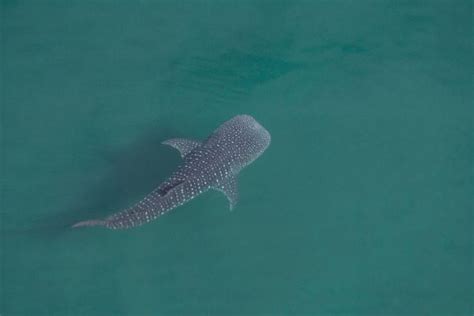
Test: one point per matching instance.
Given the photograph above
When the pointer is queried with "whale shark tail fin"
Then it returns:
(92, 222)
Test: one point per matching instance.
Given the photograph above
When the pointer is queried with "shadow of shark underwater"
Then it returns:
(210, 164)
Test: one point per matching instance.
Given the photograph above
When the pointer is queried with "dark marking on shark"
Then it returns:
(211, 164)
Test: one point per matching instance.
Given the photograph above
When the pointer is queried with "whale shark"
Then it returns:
(210, 164)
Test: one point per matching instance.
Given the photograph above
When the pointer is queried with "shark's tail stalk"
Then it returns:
(92, 222)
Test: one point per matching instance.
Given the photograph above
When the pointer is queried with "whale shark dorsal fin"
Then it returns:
(229, 188)
(183, 145)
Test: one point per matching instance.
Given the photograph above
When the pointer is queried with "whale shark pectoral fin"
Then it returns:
(229, 188)
(184, 146)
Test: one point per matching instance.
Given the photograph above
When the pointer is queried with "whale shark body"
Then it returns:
(211, 164)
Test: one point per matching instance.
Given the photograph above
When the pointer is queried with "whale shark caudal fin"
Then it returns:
(92, 222)
(184, 146)
(230, 190)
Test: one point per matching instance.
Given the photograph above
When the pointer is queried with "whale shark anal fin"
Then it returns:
(184, 146)
(230, 190)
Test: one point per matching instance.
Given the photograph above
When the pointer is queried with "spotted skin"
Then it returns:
(212, 164)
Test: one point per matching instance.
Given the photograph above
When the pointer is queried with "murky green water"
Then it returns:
(361, 206)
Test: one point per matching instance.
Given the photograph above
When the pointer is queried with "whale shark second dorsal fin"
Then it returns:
(183, 145)
(230, 190)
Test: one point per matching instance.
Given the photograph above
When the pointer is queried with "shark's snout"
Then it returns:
(262, 135)
(255, 138)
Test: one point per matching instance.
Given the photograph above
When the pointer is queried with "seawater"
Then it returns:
(362, 205)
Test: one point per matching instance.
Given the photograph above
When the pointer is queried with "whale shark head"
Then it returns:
(245, 137)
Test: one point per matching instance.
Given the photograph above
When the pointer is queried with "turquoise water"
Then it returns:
(362, 205)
